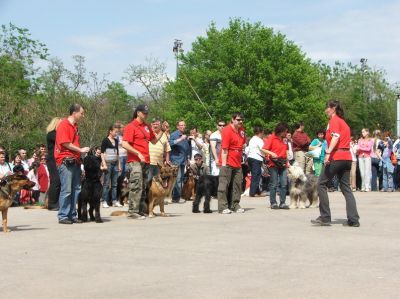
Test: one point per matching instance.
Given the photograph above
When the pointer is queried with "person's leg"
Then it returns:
(135, 188)
(114, 182)
(390, 181)
(368, 174)
(237, 177)
(225, 174)
(255, 169)
(176, 192)
(353, 175)
(374, 174)
(317, 167)
(76, 190)
(384, 179)
(273, 185)
(344, 179)
(106, 185)
(55, 185)
(283, 186)
(145, 188)
(300, 159)
(309, 165)
(361, 162)
(327, 174)
(65, 192)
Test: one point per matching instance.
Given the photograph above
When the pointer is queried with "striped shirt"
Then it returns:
(157, 150)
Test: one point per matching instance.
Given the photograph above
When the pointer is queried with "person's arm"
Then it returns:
(332, 145)
(267, 152)
(224, 156)
(174, 139)
(213, 146)
(156, 137)
(75, 148)
(130, 149)
(314, 144)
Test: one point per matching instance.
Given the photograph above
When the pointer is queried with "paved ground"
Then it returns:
(259, 254)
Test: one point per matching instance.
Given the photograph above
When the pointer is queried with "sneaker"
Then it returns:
(240, 210)
(226, 211)
(105, 205)
(181, 200)
(351, 223)
(274, 206)
(76, 220)
(320, 222)
(284, 207)
(117, 204)
(65, 221)
(136, 216)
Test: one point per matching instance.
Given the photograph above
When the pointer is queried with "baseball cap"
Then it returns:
(142, 108)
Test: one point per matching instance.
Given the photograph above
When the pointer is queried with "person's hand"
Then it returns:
(119, 169)
(168, 163)
(141, 157)
(183, 137)
(326, 159)
(9, 173)
(84, 150)
(216, 161)
(273, 155)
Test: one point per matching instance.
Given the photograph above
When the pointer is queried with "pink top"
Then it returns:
(365, 147)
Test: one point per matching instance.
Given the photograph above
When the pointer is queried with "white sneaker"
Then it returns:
(240, 210)
(105, 205)
(226, 211)
(117, 204)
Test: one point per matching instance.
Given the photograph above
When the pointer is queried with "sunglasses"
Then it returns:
(219, 125)
(240, 119)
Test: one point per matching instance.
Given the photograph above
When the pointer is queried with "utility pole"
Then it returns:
(398, 115)
(177, 49)
(363, 102)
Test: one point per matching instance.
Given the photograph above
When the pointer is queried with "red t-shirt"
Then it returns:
(66, 133)
(233, 142)
(138, 135)
(275, 144)
(337, 126)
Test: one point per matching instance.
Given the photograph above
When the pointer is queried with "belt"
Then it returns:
(341, 150)
(235, 150)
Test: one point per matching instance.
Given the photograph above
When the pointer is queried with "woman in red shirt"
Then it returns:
(337, 162)
(276, 147)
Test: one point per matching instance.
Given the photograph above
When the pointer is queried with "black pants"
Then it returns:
(255, 169)
(342, 170)
(55, 185)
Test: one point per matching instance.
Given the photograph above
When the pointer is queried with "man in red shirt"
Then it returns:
(276, 147)
(233, 139)
(67, 153)
(337, 162)
(137, 135)
(300, 143)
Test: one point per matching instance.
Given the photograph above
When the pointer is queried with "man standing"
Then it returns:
(137, 135)
(67, 152)
(180, 154)
(233, 139)
(196, 143)
(158, 151)
(300, 143)
(24, 161)
(215, 144)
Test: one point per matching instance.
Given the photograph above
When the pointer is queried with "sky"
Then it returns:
(111, 35)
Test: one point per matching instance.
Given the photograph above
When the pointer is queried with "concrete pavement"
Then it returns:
(262, 253)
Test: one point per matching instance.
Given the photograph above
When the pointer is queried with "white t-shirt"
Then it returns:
(195, 148)
(255, 144)
(33, 178)
(216, 136)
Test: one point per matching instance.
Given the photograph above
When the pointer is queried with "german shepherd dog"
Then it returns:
(188, 188)
(91, 190)
(9, 187)
(205, 186)
(161, 186)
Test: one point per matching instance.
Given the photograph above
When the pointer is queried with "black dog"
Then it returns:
(207, 186)
(91, 190)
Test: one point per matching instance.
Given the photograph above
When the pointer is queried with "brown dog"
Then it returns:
(161, 186)
(188, 188)
(8, 189)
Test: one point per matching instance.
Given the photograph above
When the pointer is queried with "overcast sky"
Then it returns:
(113, 34)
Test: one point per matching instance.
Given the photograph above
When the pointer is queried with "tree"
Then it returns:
(249, 68)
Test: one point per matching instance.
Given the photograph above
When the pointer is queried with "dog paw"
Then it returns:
(151, 215)
(302, 207)
(164, 215)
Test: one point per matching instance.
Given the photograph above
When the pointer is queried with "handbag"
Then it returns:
(393, 158)
(315, 153)
(279, 162)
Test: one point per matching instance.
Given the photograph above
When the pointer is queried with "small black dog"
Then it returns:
(91, 189)
(207, 186)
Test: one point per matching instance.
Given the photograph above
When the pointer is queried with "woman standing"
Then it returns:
(365, 147)
(387, 166)
(337, 161)
(53, 193)
(255, 159)
(111, 164)
(375, 173)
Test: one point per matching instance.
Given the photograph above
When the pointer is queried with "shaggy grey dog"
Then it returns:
(302, 188)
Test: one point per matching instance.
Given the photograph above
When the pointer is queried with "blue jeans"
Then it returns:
(70, 178)
(387, 182)
(176, 192)
(110, 175)
(277, 180)
(255, 169)
(122, 161)
(153, 171)
(374, 173)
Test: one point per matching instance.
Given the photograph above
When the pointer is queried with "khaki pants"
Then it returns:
(304, 162)
(138, 187)
(229, 178)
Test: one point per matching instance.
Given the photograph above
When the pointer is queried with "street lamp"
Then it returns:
(398, 115)
(177, 49)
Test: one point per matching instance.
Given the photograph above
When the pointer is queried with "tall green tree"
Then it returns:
(249, 68)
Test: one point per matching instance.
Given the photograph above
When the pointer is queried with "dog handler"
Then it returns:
(67, 153)
(337, 161)
(137, 135)
(233, 139)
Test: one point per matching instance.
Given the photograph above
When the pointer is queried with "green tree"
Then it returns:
(249, 68)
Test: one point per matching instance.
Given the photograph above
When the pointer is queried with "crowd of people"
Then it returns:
(258, 164)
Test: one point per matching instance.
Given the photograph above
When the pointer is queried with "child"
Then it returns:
(387, 166)
(33, 177)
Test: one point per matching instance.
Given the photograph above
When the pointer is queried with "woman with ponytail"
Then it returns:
(337, 162)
